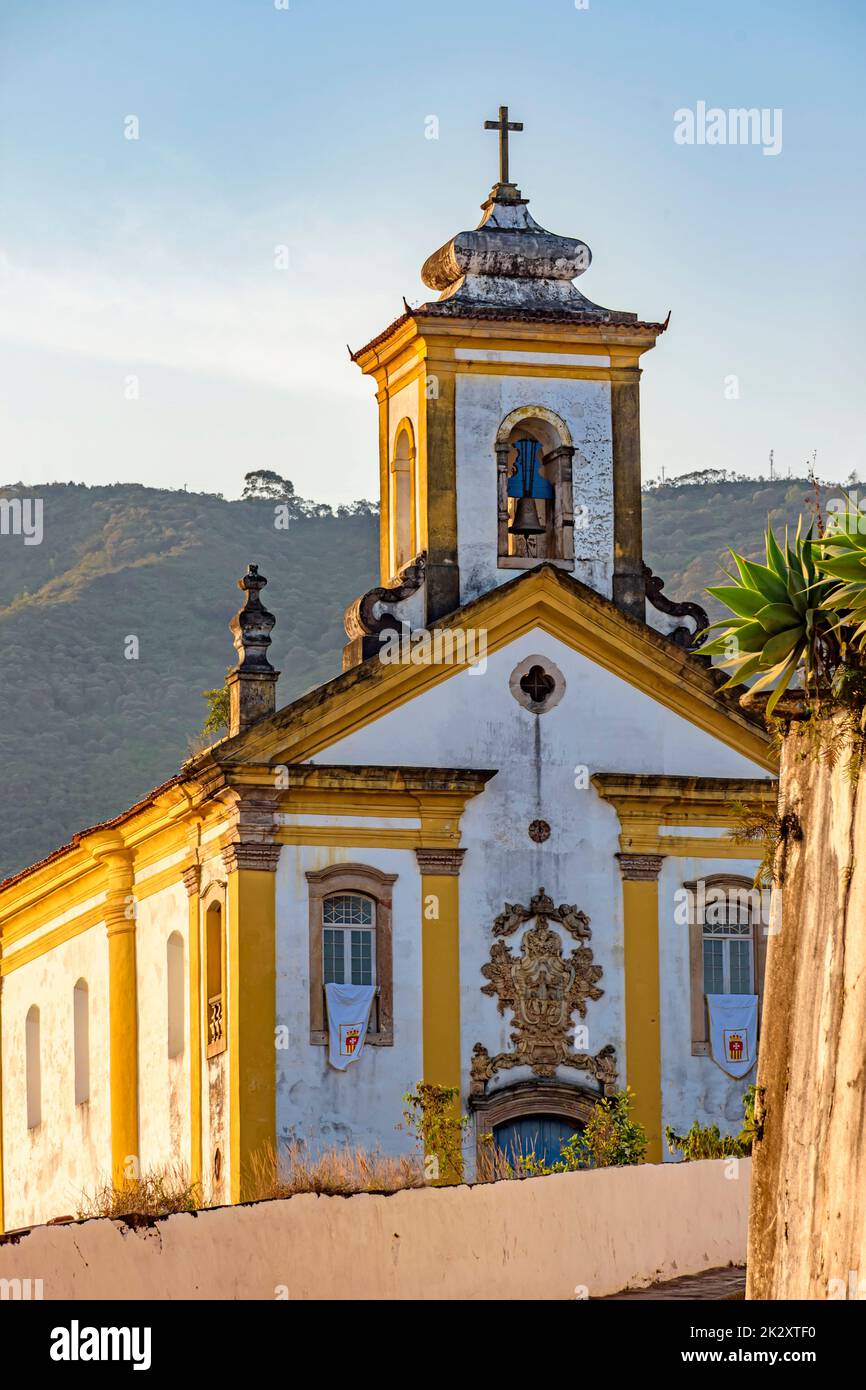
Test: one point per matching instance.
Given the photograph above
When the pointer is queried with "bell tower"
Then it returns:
(509, 415)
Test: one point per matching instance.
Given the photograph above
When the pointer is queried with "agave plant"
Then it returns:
(840, 555)
(780, 619)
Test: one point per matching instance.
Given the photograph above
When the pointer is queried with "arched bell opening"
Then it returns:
(535, 492)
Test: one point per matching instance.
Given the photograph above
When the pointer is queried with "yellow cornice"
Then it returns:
(644, 803)
(13, 959)
(541, 598)
(147, 834)
(427, 335)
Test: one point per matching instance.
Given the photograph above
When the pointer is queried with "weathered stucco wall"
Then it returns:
(693, 1088)
(47, 1169)
(163, 1082)
(574, 1235)
(808, 1219)
(362, 1105)
(482, 403)
(601, 724)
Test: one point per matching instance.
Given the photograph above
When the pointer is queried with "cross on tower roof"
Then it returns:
(503, 125)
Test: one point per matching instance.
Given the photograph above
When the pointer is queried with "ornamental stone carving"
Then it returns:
(543, 988)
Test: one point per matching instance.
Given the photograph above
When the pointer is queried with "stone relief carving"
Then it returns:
(543, 988)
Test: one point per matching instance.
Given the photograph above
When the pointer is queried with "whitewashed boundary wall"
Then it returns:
(560, 1237)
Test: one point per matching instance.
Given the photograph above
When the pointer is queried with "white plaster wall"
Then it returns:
(693, 1088)
(482, 402)
(601, 723)
(47, 1169)
(363, 1104)
(555, 1238)
(163, 1083)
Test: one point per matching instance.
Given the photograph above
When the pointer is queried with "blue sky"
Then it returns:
(261, 127)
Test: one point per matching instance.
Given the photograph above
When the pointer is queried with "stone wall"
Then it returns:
(808, 1218)
(561, 1237)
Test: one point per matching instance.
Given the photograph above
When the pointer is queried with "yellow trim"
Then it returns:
(346, 837)
(644, 803)
(122, 1006)
(384, 491)
(56, 902)
(155, 832)
(166, 878)
(588, 624)
(642, 1008)
(425, 335)
(440, 982)
(251, 900)
(533, 369)
(47, 942)
(195, 1038)
(2, 1224)
(696, 847)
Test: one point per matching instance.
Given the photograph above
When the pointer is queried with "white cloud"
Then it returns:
(275, 330)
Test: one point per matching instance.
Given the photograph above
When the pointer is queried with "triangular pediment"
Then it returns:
(543, 598)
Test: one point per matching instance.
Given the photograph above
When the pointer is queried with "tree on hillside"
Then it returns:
(363, 507)
(263, 482)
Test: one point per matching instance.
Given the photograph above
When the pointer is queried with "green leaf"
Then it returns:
(764, 580)
(780, 645)
(775, 558)
(784, 682)
(751, 637)
(745, 603)
(848, 567)
(777, 617)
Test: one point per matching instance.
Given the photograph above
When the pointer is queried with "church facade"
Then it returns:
(506, 814)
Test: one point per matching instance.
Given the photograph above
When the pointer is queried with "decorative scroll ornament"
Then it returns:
(691, 639)
(361, 617)
(543, 988)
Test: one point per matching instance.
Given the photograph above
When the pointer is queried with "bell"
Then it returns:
(526, 519)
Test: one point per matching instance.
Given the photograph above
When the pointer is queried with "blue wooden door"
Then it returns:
(541, 1135)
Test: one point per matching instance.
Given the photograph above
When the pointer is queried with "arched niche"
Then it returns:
(403, 540)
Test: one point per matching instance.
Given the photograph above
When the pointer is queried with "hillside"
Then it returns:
(86, 731)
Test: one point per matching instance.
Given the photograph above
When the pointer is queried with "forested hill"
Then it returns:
(85, 731)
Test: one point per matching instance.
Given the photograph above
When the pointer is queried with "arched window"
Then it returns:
(350, 942)
(404, 547)
(215, 968)
(728, 920)
(33, 1067)
(81, 1035)
(534, 454)
(174, 993)
(349, 939)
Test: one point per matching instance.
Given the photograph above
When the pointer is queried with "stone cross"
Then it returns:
(503, 125)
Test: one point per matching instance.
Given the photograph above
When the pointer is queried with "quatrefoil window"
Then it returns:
(537, 684)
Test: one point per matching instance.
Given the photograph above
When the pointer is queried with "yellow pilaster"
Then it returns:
(109, 849)
(2, 1225)
(252, 983)
(440, 968)
(191, 878)
(642, 1000)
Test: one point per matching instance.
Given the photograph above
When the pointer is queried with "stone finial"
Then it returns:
(252, 682)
